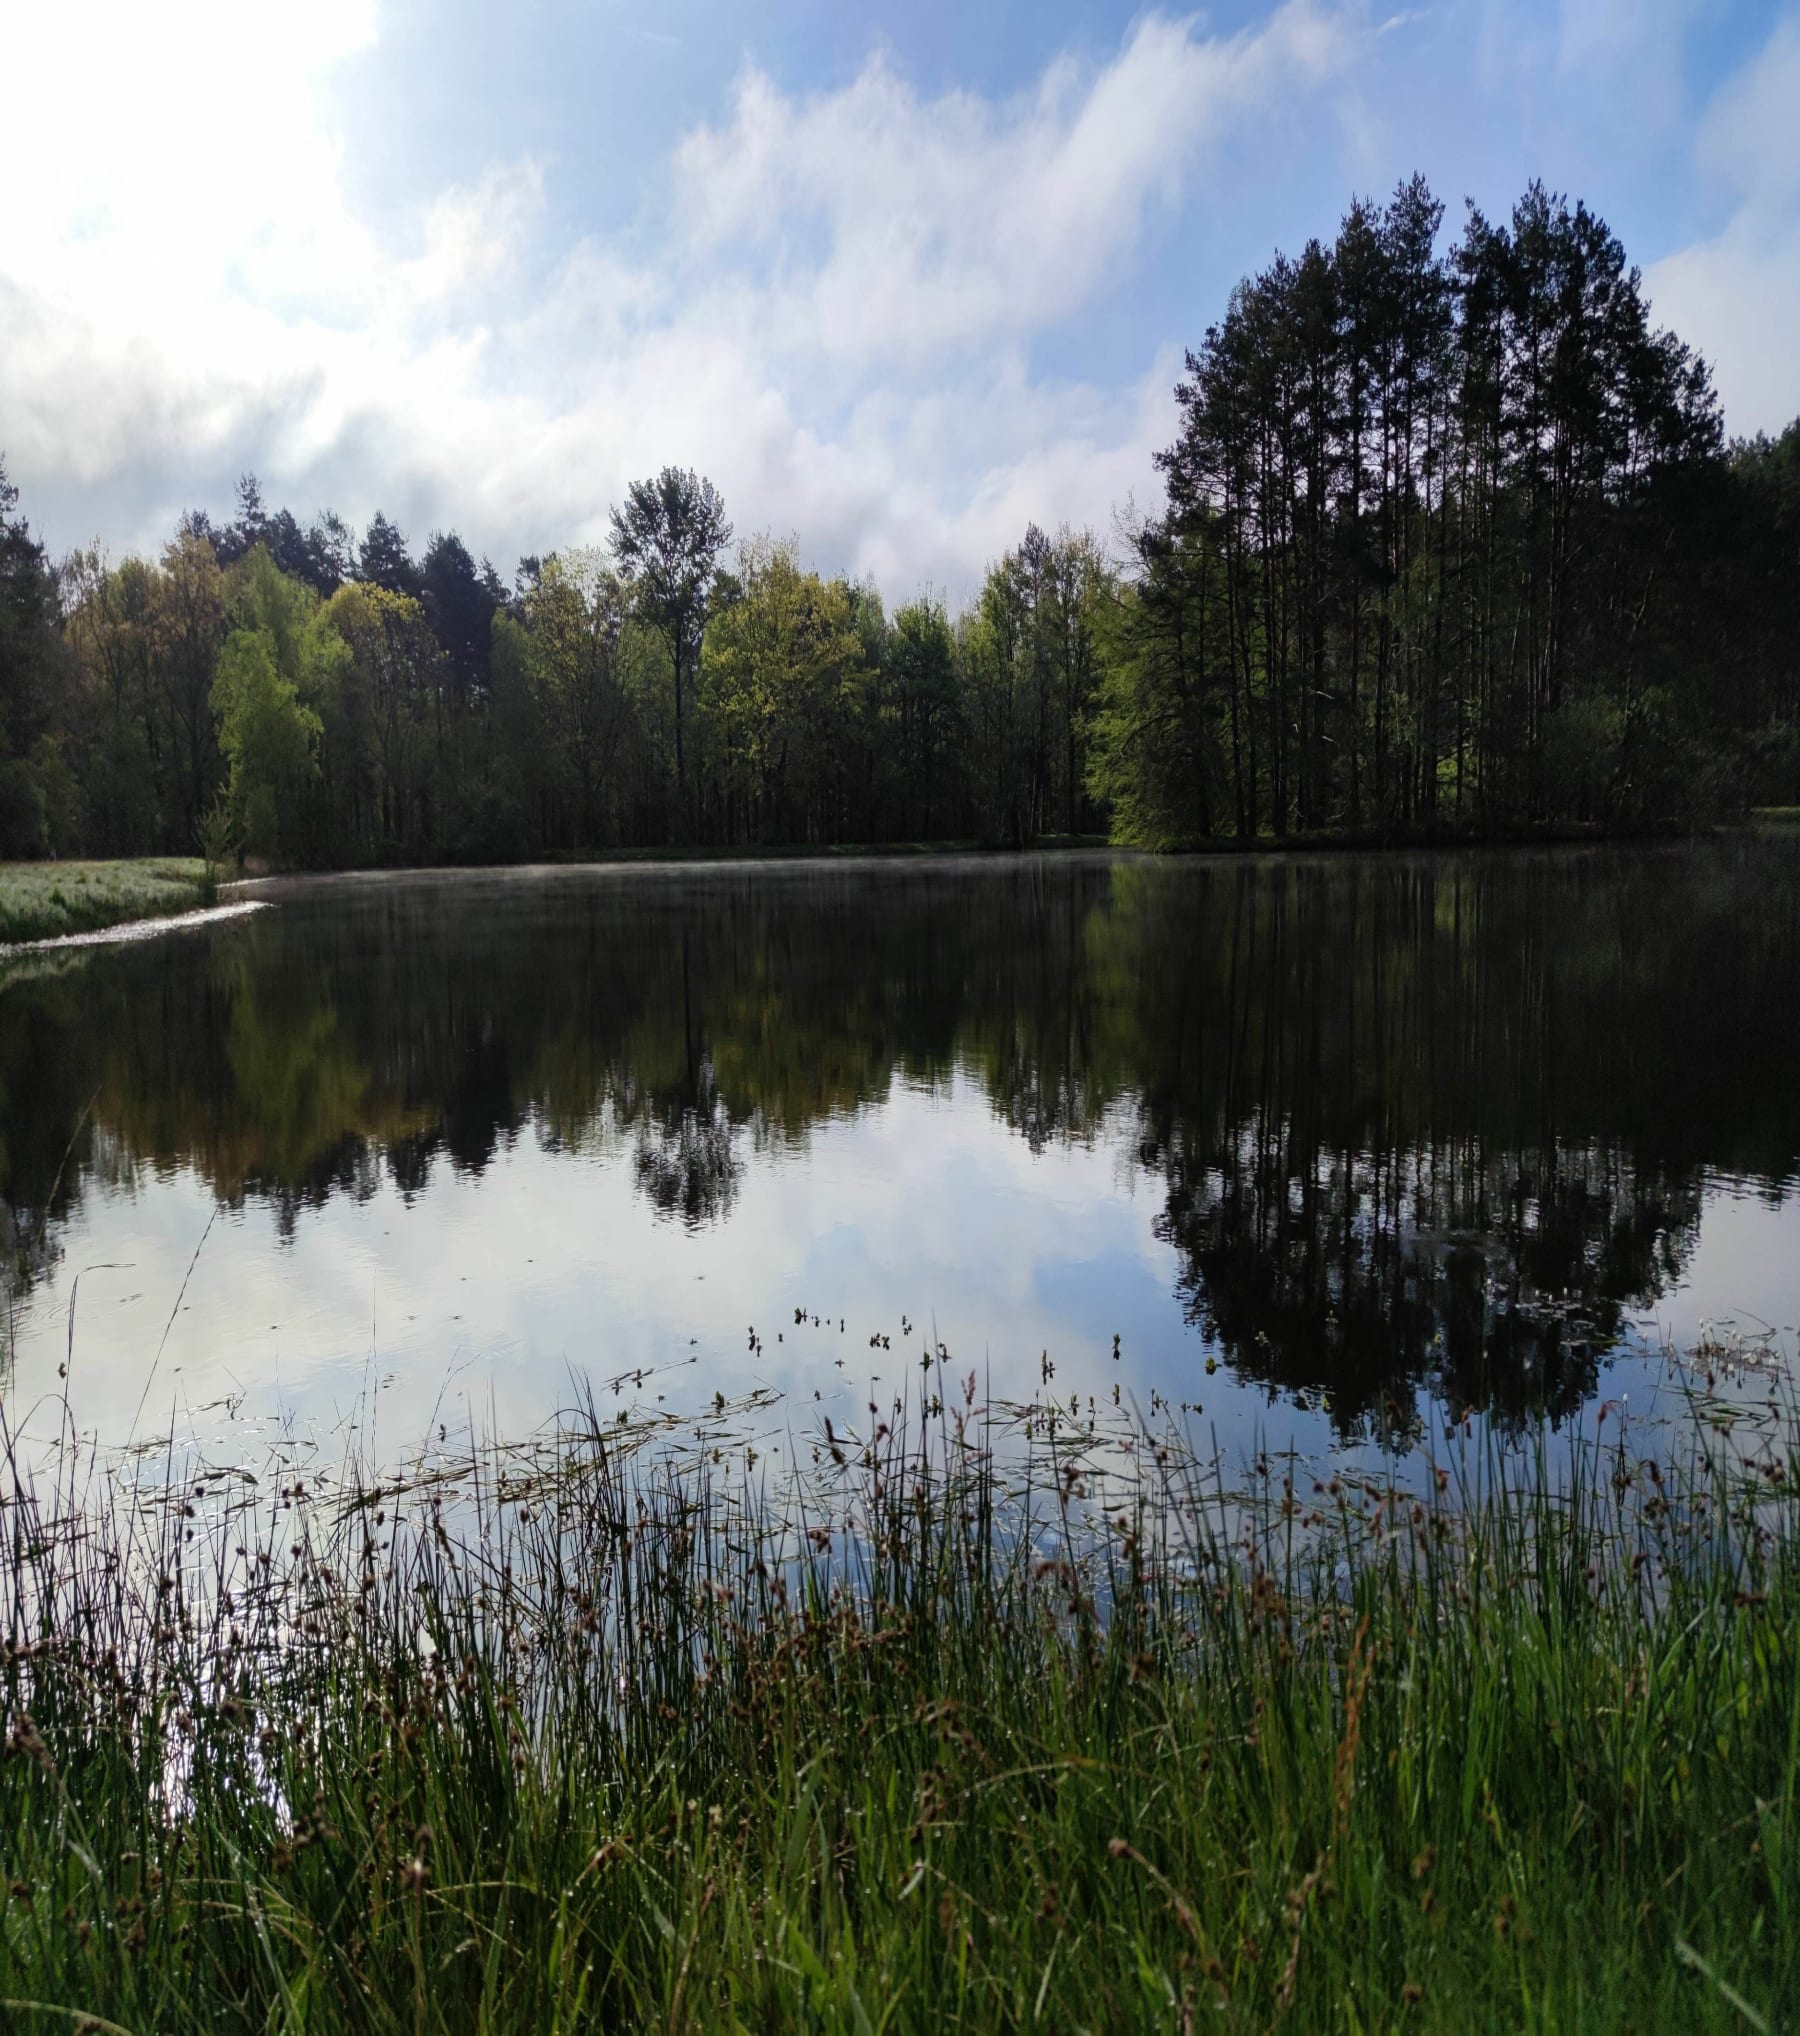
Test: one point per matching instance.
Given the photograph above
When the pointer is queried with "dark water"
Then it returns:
(1328, 1143)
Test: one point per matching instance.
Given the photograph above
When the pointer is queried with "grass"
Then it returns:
(961, 1735)
(46, 900)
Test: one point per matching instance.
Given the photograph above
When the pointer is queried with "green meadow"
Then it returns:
(46, 900)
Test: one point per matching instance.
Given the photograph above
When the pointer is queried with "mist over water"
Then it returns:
(1334, 1146)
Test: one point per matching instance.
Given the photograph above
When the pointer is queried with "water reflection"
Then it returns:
(1408, 1126)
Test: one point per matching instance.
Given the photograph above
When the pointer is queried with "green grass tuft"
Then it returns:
(48, 900)
(616, 1744)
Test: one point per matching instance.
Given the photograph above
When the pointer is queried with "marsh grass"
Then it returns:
(48, 900)
(976, 1723)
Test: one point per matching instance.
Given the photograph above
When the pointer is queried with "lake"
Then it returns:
(1333, 1146)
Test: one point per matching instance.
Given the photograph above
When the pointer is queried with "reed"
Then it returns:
(987, 1722)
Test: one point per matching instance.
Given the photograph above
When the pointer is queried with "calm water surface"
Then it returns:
(1334, 1146)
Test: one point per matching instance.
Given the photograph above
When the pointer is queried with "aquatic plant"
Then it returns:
(985, 1720)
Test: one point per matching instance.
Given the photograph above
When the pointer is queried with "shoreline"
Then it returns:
(1222, 848)
(52, 901)
(190, 900)
(123, 930)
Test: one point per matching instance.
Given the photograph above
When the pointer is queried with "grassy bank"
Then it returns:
(597, 1744)
(45, 900)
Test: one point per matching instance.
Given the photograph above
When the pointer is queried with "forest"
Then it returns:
(1453, 545)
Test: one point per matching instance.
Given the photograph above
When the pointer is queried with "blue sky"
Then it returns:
(899, 277)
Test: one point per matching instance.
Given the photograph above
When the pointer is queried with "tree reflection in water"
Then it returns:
(1411, 1121)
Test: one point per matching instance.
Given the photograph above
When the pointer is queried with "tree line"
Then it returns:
(1453, 537)
(1452, 541)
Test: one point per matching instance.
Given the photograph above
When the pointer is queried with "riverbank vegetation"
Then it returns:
(1452, 544)
(987, 1726)
(46, 900)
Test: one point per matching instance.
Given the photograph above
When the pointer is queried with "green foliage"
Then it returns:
(667, 539)
(1160, 728)
(572, 643)
(1582, 743)
(925, 706)
(269, 740)
(65, 805)
(583, 1739)
(24, 828)
(33, 672)
(382, 721)
(785, 680)
(1450, 545)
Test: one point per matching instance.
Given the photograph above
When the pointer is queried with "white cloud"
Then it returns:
(1736, 296)
(159, 145)
(944, 223)
(838, 323)
(1751, 135)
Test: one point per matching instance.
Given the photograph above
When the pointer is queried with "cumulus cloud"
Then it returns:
(1737, 295)
(901, 226)
(838, 322)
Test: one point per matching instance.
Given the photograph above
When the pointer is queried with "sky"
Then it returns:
(900, 276)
